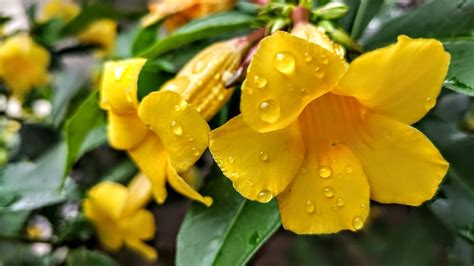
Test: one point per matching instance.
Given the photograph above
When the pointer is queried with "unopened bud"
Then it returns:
(331, 11)
(318, 36)
(339, 35)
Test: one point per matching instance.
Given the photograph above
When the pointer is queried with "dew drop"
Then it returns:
(363, 206)
(118, 72)
(328, 192)
(309, 207)
(349, 169)
(230, 159)
(249, 183)
(177, 108)
(264, 196)
(196, 154)
(357, 222)
(234, 175)
(303, 92)
(304, 170)
(324, 59)
(263, 156)
(269, 110)
(340, 202)
(176, 128)
(319, 73)
(429, 102)
(284, 62)
(325, 172)
(260, 82)
(307, 57)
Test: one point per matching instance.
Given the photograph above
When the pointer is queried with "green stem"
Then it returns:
(358, 19)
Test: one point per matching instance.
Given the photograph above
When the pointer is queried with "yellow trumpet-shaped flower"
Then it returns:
(102, 32)
(180, 12)
(118, 215)
(326, 137)
(63, 9)
(23, 64)
(166, 133)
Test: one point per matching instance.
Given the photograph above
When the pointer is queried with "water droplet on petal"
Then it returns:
(285, 63)
(307, 57)
(363, 206)
(177, 108)
(234, 175)
(260, 82)
(328, 192)
(196, 154)
(230, 159)
(319, 73)
(249, 183)
(349, 169)
(309, 206)
(358, 223)
(429, 102)
(118, 72)
(176, 128)
(269, 110)
(324, 59)
(340, 202)
(325, 171)
(304, 171)
(264, 196)
(303, 92)
(263, 156)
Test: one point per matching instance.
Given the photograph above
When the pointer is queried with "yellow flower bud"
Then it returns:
(101, 32)
(201, 82)
(23, 64)
(62, 9)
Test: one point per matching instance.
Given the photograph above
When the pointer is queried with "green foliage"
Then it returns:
(460, 77)
(198, 30)
(227, 233)
(83, 256)
(153, 74)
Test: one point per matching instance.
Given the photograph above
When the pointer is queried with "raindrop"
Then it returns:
(230, 159)
(309, 206)
(340, 202)
(249, 183)
(260, 82)
(349, 169)
(176, 128)
(303, 92)
(324, 59)
(307, 57)
(234, 175)
(429, 102)
(269, 110)
(264, 196)
(319, 73)
(196, 154)
(328, 192)
(263, 156)
(285, 63)
(357, 222)
(304, 170)
(325, 172)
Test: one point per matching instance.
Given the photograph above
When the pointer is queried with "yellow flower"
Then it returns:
(101, 32)
(166, 133)
(118, 215)
(180, 12)
(62, 9)
(325, 137)
(23, 64)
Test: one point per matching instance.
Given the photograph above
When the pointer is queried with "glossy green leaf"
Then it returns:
(84, 130)
(145, 38)
(200, 29)
(359, 15)
(435, 19)
(461, 75)
(227, 233)
(83, 256)
(31, 185)
(12, 223)
(153, 74)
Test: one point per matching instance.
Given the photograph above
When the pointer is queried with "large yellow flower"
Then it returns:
(23, 64)
(118, 215)
(166, 133)
(180, 12)
(102, 32)
(325, 137)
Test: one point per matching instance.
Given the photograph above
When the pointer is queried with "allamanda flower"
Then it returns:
(23, 64)
(325, 137)
(118, 215)
(102, 32)
(166, 133)
(180, 12)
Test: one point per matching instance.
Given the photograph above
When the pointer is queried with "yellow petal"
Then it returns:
(139, 193)
(150, 156)
(181, 128)
(125, 131)
(286, 74)
(118, 91)
(401, 164)
(326, 196)
(107, 229)
(147, 251)
(180, 185)
(140, 224)
(260, 165)
(109, 198)
(401, 81)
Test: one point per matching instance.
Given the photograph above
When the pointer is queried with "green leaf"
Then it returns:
(227, 233)
(461, 76)
(153, 74)
(200, 29)
(27, 185)
(121, 173)
(66, 85)
(83, 256)
(360, 14)
(145, 38)
(12, 223)
(435, 19)
(85, 130)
